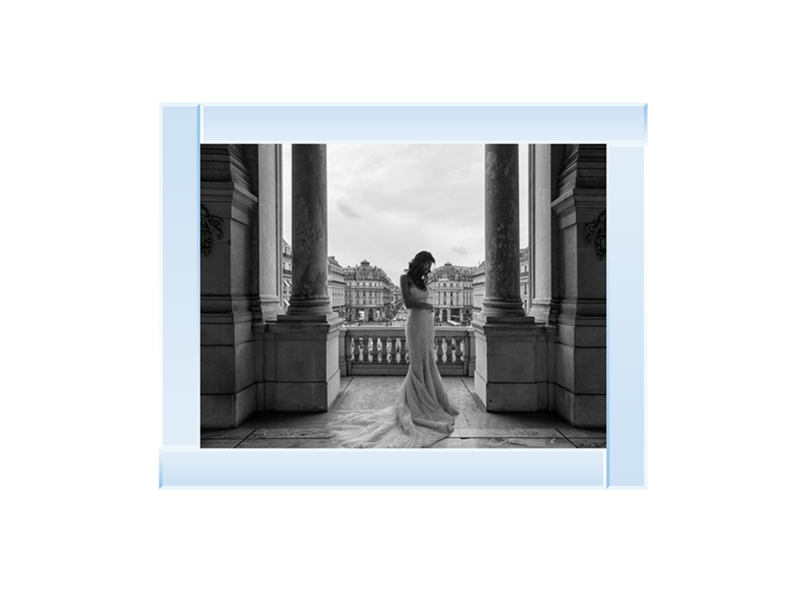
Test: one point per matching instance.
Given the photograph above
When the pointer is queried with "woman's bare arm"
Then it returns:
(410, 303)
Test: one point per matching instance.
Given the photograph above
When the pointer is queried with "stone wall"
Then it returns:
(579, 214)
(228, 207)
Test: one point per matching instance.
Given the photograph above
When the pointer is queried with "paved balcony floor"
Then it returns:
(474, 427)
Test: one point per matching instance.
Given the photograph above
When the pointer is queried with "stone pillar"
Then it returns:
(266, 273)
(539, 231)
(267, 240)
(307, 357)
(511, 365)
(502, 297)
(310, 294)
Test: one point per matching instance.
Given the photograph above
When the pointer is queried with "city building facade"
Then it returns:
(369, 294)
(451, 294)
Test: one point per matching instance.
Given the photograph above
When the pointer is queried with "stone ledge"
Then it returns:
(291, 321)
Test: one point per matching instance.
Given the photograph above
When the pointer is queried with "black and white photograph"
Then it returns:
(316, 301)
(403, 296)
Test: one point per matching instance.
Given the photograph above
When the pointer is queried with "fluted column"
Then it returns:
(502, 298)
(309, 295)
(539, 231)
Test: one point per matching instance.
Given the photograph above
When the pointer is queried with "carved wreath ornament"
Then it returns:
(597, 230)
(208, 224)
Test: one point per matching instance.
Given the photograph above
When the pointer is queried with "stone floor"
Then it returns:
(474, 427)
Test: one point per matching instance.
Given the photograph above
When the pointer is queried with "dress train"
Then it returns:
(422, 413)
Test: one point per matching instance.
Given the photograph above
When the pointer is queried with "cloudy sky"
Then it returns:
(386, 202)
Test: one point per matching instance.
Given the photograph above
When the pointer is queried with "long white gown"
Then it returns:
(422, 413)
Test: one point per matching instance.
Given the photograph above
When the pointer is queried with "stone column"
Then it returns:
(267, 243)
(266, 272)
(502, 297)
(511, 365)
(307, 356)
(539, 231)
(310, 295)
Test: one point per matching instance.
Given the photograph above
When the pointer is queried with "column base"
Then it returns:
(310, 307)
(540, 311)
(308, 376)
(327, 317)
(512, 366)
(267, 307)
(502, 309)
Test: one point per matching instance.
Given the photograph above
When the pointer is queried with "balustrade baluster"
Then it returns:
(370, 351)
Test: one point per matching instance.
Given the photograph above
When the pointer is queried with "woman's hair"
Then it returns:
(419, 268)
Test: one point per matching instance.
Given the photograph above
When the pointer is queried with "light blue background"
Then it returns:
(184, 464)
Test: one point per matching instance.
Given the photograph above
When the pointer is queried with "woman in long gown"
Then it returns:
(422, 413)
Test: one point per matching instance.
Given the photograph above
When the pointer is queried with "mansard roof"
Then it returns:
(449, 270)
(366, 271)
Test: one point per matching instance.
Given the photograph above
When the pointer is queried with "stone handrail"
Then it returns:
(370, 350)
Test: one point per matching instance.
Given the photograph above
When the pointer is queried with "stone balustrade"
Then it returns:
(383, 351)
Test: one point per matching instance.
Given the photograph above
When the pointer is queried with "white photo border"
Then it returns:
(184, 464)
